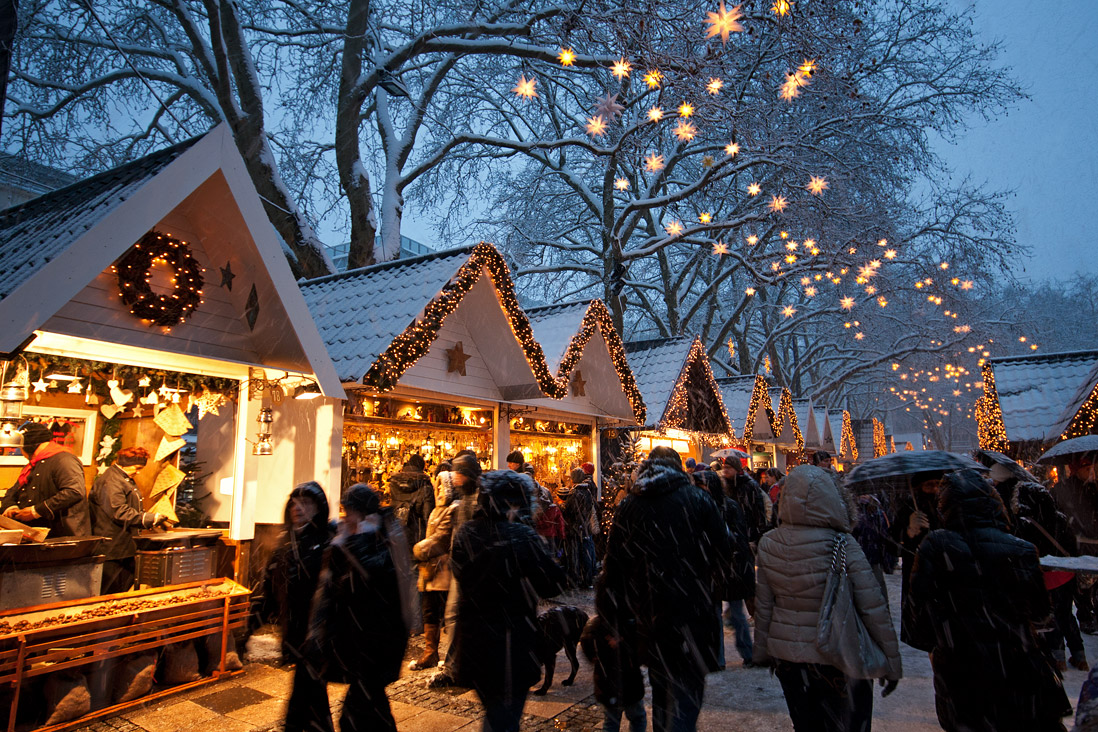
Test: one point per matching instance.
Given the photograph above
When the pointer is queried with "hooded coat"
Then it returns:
(502, 567)
(666, 563)
(793, 564)
(413, 499)
(977, 591)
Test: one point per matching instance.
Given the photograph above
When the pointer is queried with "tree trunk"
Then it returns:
(352, 175)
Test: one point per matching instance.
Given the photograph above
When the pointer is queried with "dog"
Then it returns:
(559, 627)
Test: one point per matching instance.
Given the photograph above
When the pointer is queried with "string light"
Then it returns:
(133, 272)
(990, 429)
(847, 445)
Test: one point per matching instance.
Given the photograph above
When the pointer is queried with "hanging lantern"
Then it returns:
(263, 444)
(13, 394)
(372, 443)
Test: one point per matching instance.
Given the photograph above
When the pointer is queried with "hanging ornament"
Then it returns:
(144, 381)
(609, 108)
(525, 88)
(816, 185)
(90, 396)
(621, 69)
(723, 22)
(75, 387)
(209, 402)
(118, 395)
(40, 385)
(596, 126)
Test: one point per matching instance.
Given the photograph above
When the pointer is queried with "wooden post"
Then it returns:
(17, 685)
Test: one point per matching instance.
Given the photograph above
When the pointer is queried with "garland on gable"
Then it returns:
(598, 316)
(880, 446)
(679, 403)
(760, 395)
(847, 444)
(989, 416)
(786, 411)
(1084, 421)
(134, 273)
(414, 342)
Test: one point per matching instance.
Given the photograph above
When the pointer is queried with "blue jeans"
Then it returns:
(676, 701)
(638, 720)
(503, 713)
(737, 618)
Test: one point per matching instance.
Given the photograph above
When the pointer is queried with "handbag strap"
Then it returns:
(838, 555)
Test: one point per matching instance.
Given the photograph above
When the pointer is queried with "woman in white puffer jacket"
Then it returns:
(793, 564)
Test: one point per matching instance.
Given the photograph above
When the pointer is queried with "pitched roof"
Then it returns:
(669, 373)
(564, 330)
(1036, 392)
(736, 392)
(35, 232)
(657, 365)
(805, 417)
(377, 321)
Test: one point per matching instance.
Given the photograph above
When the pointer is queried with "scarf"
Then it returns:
(42, 453)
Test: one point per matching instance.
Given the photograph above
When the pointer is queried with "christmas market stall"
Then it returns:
(149, 307)
(823, 428)
(585, 353)
(806, 419)
(433, 352)
(1031, 402)
(788, 438)
(685, 410)
(747, 399)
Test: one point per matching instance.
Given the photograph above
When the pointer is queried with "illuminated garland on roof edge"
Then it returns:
(1085, 419)
(760, 394)
(786, 411)
(597, 316)
(676, 411)
(847, 445)
(416, 340)
(880, 447)
(989, 416)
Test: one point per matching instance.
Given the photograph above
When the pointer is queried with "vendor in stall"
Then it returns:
(116, 514)
(50, 491)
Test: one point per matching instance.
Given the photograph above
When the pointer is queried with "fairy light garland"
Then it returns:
(1085, 419)
(990, 429)
(134, 274)
(674, 416)
(760, 395)
(595, 318)
(847, 445)
(414, 342)
(880, 447)
(786, 411)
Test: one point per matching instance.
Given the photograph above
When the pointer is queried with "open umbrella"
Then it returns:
(894, 471)
(990, 457)
(1067, 448)
(731, 452)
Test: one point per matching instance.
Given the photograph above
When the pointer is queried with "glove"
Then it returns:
(888, 686)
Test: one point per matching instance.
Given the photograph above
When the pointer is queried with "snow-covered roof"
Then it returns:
(902, 438)
(657, 366)
(1037, 392)
(823, 428)
(835, 422)
(1087, 387)
(555, 326)
(736, 392)
(807, 422)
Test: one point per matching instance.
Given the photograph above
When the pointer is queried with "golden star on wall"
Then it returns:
(456, 358)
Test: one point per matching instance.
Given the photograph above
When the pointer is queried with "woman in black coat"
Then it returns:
(286, 597)
(502, 567)
(977, 591)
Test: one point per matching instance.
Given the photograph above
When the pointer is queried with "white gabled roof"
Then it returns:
(1040, 394)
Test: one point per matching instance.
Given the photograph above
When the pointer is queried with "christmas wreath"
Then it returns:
(134, 271)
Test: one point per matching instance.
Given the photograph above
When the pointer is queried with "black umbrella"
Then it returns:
(990, 457)
(1067, 448)
(893, 472)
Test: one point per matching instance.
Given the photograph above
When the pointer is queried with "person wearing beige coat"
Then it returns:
(433, 555)
(793, 563)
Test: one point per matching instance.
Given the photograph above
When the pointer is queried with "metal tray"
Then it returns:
(177, 538)
(57, 549)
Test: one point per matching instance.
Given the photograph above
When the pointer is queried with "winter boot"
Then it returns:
(429, 659)
(1079, 662)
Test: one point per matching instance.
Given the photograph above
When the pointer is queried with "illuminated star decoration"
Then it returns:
(777, 203)
(653, 163)
(525, 88)
(754, 189)
(807, 68)
(847, 303)
(655, 114)
(752, 240)
(456, 358)
(810, 291)
(791, 89)
(596, 126)
(720, 248)
(705, 218)
(567, 57)
(859, 336)
(789, 311)
(653, 79)
(621, 184)
(731, 149)
(781, 7)
(674, 228)
(723, 22)
(890, 254)
(686, 109)
(749, 291)
(816, 185)
(685, 131)
(609, 107)
(621, 69)
(714, 86)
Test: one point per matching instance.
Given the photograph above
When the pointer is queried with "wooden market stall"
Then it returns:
(152, 306)
(685, 409)
(585, 353)
(434, 352)
(748, 401)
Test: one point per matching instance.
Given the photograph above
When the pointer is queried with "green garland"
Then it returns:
(98, 373)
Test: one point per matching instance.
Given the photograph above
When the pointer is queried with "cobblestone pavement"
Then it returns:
(737, 699)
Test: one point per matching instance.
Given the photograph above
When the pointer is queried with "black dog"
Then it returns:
(559, 627)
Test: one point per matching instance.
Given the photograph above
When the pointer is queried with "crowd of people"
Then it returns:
(792, 563)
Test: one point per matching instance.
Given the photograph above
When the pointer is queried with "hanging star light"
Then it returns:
(674, 228)
(655, 114)
(708, 161)
(525, 88)
(754, 189)
(621, 68)
(870, 290)
(807, 68)
(653, 163)
(749, 291)
(847, 303)
(40, 385)
(810, 291)
(806, 280)
(609, 107)
(791, 259)
(714, 86)
(775, 266)
(723, 22)
(777, 203)
(752, 240)
(653, 79)
(705, 217)
(791, 246)
(789, 311)
(781, 7)
(720, 248)
(685, 131)
(621, 184)
(890, 254)
(596, 126)
(791, 89)
(816, 185)
(966, 284)
(859, 336)
(567, 57)
(686, 109)
(731, 149)
(882, 301)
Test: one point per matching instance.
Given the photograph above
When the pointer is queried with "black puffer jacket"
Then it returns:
(56, 489)
(503, 568)
(1035, 518)
(977, 590)
(116, 512)
(413, 499)
(753, 502)
(667, 559)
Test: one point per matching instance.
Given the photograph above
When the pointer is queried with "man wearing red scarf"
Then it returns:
(50, 491)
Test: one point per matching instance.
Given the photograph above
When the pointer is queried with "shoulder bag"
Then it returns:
(841, 636)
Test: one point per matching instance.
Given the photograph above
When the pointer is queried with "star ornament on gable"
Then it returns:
(609, 107)
(456, 358)
(578, 385)
(227, 276)
(723, 22)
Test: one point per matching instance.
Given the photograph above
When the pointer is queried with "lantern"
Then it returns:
(263, 444)
(13, 394)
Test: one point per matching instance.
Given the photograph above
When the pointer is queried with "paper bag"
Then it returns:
(168, 479)
(167, 447)
(172, 421)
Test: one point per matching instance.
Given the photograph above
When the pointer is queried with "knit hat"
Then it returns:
(516, 456)
(361, 498)
(588, 468)
(578, 476)
(34, 434)
(466, 465)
